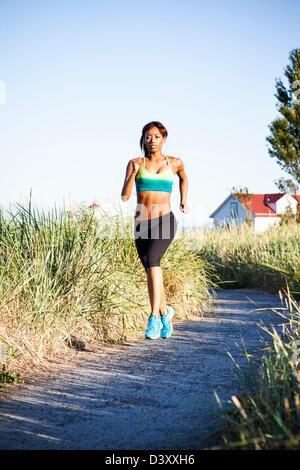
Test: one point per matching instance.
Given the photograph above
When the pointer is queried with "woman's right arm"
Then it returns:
(131, 171)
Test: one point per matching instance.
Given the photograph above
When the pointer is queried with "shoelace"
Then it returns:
(165, 318)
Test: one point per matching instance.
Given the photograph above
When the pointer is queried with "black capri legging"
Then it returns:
(153, 236)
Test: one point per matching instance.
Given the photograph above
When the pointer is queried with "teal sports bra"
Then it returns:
(148, 181)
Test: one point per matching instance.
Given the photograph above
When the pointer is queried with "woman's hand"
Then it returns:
(135, 167)
(184, 208)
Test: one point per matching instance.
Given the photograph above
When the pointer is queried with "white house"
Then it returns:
(262, 210)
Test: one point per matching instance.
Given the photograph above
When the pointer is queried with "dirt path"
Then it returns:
(146, 394)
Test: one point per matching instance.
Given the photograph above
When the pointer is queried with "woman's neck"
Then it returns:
(155, 156)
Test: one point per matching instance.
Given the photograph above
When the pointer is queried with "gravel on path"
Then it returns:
(147, 394)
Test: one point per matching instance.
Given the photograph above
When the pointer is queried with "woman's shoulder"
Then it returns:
(170, 157)
(175, 161)
(136, 159)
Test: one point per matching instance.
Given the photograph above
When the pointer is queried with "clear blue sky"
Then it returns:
(83, 77)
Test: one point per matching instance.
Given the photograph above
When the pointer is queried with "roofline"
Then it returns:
(259, 214)
(222, 204)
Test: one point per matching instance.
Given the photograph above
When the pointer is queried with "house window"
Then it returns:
(234, 209)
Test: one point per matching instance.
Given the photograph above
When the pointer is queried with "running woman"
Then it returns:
(154, 223)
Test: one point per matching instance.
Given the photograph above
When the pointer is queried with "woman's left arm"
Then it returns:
(183, 186)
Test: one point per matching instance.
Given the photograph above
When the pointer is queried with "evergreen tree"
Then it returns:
(285, 130)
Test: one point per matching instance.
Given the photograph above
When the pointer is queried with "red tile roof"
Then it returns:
(272, 198)
(257, 203)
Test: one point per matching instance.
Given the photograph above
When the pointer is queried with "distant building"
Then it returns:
(96, 208)
(261, 210)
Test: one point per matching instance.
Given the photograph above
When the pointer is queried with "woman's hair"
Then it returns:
(146, 128)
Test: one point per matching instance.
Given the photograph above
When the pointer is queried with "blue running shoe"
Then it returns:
(154, 327)
(166, 323)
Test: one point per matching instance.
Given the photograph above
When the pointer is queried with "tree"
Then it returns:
(243, 195)
(285, 130)
(286, 186)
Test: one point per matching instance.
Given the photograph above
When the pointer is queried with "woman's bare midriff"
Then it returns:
(152, 204)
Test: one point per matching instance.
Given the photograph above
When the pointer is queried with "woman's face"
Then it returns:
(154, 140)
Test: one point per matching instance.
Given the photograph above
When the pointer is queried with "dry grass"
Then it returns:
(65, 285)
(243, 258)
(266, 415)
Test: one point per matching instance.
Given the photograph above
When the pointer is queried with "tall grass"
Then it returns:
(243, 258)
(266, 416)
(65, 282)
